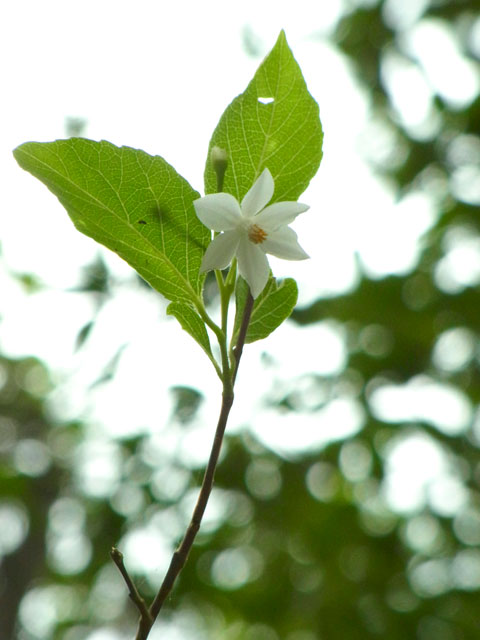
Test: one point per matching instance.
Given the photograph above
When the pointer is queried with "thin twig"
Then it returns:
(145, 616)
(180, 555)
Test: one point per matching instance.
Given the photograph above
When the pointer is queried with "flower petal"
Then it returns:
(218, 211)
(253, 266)
(258, 195)
(279, 214)
(220, 251)
(283, 244)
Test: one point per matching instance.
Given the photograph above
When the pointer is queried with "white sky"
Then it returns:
(157, 76)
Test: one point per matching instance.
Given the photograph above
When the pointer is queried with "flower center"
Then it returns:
(256, 234)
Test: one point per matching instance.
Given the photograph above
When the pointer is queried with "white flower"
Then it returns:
(250, 230)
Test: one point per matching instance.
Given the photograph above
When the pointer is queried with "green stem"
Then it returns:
(226, 287)
(227, 374)
(219, 333)
(231, 277)
(215, 365)
(207, 319)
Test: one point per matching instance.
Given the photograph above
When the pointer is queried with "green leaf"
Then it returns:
(284, 134)
(135, 204)
(192, 323)
(271, 308)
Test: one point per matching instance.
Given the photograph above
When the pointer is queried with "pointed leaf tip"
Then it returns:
(273, 124)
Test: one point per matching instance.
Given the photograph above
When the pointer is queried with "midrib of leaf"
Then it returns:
(285, 142)
(268, 132)
(272, 117)
(271, 311)
(247, 147)
(267, 135)
(127, 217)
(258, 309)
(91, 198)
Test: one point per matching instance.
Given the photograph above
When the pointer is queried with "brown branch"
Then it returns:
(139, 602)
(180, 556)
(242, 334)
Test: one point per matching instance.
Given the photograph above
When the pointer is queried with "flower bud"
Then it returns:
(219, 160)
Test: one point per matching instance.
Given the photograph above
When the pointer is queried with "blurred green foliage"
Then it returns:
(308, 547)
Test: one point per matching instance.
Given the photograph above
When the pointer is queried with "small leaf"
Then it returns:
(83, 334)
(275, 123)
(110, 369)
(271, 308)
(187, 402)
(192, 323)
(135, 204)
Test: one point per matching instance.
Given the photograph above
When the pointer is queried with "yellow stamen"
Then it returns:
(256, 234)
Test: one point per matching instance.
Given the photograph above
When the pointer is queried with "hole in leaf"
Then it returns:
(266, 100)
